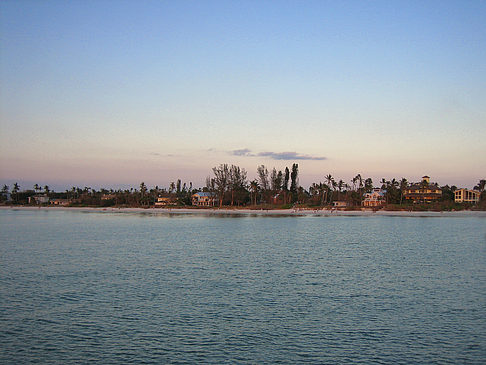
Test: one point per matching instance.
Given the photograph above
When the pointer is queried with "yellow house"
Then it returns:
(61, 202)
(423, 191)
(204, 199)
(163, 201)
(466, 196)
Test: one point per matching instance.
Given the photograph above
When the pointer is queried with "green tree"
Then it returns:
(368, 185)
(221, 181)
(403, 187)
(262, 174)
(237, 183)
(143, 193)
(294, 181)
(447, 193)
(274, 182)
(286, 183)
(254, 191)
(263, 177)
(392, 194)
(318, 192)
(481, 185)
(330, 181)
(15, 191)
(286, 179)
(5, 192)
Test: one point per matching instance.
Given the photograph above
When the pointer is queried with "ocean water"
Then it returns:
(78, 287)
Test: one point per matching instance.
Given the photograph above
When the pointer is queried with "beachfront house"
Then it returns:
(376, 198)
(164, 201)
(466, 196)
(59, 202)
(278, 199)
(339, 204)
(38, 199)
(423, 192)
(204, 199)
(108, 197)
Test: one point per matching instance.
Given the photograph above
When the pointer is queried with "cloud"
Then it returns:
(275, 155)
(289, 156)
(159, 154)
(242, 152)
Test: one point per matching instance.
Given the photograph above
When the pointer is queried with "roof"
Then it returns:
(204, 193)
(471, 191)
(375, 192)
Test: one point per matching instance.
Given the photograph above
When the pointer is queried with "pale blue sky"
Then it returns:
(108, 93)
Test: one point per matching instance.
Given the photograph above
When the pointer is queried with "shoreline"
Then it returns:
(260, 212)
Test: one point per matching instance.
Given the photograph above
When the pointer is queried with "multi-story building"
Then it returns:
(374, 199)
(204, 199)
(423, 192)
(466, 196)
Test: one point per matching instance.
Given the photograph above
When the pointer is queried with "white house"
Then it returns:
(374, 199)
(38, 199)
(339, 204)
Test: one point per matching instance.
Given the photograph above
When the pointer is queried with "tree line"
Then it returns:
(231, 186)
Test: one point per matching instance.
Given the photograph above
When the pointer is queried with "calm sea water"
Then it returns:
(144, 288)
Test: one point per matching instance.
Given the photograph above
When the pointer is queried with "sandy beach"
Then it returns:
(261, 212)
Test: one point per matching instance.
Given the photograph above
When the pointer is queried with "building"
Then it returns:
(466, 196)
(38, 199)
(339, 204)
(423, 192)
(164, 201)
(374, 199)
(59, 202)
(108, 197)
(204, 199)
(278, 199)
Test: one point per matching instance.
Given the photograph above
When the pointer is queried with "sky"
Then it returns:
(113, 93)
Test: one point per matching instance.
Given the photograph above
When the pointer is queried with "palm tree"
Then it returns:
(403, 186)
(334, 185)
(481, 185)
(5, 191)
(360, 186)
(368, 185)
(330, 182)
(254, 190)
(340, 186)
(15, 191)
(46, 189)
(143, 190)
